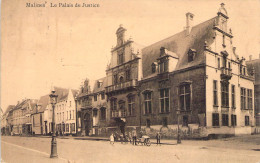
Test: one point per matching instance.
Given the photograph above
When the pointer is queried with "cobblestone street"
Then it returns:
(37, 149)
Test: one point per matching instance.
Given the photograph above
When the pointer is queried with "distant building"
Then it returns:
(84, 110)
(39, 127)
(5, 124)
(254, 65)
(65, 113)
(21, 117)
(100, 112)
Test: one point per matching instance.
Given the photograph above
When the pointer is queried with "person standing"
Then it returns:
(130, 137)
(158, 138)
(112, 139)
(134, 138)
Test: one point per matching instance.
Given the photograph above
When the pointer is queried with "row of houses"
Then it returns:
(34, 116)
(194, 78)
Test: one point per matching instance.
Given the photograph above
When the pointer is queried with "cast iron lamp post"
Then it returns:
(53, 98)
(179, 134)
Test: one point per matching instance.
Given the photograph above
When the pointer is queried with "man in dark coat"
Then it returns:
(158, 138)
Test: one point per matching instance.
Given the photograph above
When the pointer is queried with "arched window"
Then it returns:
(121, 79)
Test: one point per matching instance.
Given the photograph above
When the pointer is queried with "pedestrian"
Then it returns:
(130, 137)
(158, 138)
(134, 138)
(112, 139)
(126, 138)
(121, 138)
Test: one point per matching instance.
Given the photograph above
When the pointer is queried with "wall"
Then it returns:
(196, 118)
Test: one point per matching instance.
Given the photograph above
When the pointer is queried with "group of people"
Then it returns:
(130, 137)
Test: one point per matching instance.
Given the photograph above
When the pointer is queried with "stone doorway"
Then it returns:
(87, 124)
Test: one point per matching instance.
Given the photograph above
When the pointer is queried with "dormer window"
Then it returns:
(154, 66)
(164, 65)
(191, 55)
(99, 84)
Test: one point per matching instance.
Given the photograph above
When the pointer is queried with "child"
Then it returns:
(112, 139)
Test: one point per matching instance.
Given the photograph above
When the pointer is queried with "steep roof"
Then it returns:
(180, 43)
(9, 108)
(63, 93)
(21, 104)
(43, 102)
(103, 84)
(33, 104)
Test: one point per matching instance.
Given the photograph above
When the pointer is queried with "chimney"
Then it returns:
(189, 22)
(162, 51)
(234, 50)
(250, 57)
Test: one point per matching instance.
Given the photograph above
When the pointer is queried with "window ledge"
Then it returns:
(225, 107)
(216, 106)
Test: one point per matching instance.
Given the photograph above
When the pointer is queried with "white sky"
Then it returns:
(63, 46)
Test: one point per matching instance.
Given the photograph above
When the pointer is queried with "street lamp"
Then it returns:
(179, 133)
(53, 98)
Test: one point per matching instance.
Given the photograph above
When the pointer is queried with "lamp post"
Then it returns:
(76, 101)
(179, 134)
(53, 98)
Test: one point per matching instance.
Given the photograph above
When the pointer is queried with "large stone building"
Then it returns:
(123, 74)
(198, 73)
(195, 74)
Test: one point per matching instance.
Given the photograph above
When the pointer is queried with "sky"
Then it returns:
(45, 47)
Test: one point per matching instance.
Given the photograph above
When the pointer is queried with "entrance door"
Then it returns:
(87, 124)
